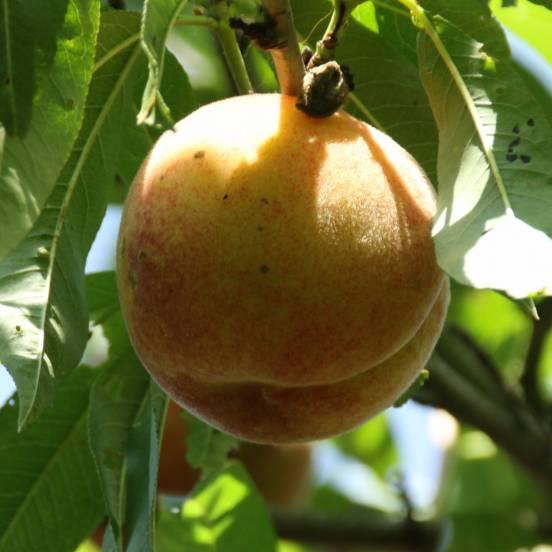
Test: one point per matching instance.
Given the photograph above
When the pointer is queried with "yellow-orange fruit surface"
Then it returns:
(276, 272)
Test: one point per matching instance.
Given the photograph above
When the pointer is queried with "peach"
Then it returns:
(276, 272)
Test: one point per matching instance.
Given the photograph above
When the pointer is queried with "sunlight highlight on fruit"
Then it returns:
(276, 272)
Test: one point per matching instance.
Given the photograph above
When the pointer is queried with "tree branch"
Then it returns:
(352, 531)
(514, 428)
(529, 378)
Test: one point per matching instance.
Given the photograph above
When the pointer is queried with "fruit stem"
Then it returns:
(286, 54)
(234, 59)
(325, 47)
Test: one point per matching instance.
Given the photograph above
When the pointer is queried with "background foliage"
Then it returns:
(79, 441)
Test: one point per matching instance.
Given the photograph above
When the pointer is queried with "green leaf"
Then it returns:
(115, 403)
(495, 187)
(43, 317)
(143, 465)
(545, 3)
(45, 67)
(136, 141)
(206, 447)
(49, 491)
(224, 513)
(124, 407)
(159, 17)
(505, 340)
(489, 499)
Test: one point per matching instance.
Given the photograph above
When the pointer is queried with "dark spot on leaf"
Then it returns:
(499, 91)
(199, 154)
(89, 334)
(118, 179)
(161, 178)
(264, 200)
(511, 157)
(516, 129)
(531, 121)
(525, 158)
(142, 255)
(415, 102)
(18, 328)
(7, 81)
(264, 269)
(225, 197)
(515, 142)
(260, 228)
(70, 103)
(510, 150)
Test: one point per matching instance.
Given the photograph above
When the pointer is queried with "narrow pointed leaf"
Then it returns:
(46, 64)
(494, 152)
(48, 480)
(142, 467)
(158, 18)
(43, 317)
(126, 413)
(545, 3)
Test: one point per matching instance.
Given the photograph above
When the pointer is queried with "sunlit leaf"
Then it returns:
(142, 466)
(494, 143)
(46, 64)
(225, 512)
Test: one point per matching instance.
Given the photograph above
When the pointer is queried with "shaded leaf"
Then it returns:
(45, 67)
(137, 140)
(494, 143)
(143, 465)
(43, 317)
(48, 480)
(206, 447)
(124, 407)
(158, 18)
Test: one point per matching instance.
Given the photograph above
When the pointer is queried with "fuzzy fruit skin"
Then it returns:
(276, 272)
